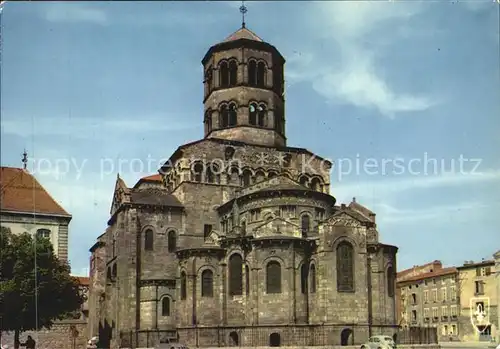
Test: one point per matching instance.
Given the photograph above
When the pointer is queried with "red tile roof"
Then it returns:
(418, 269)
(435, 273)
(21, 192)
(84, 280)
(154, 178)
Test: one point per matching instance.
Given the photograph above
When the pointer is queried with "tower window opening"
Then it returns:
(262, 115)
(233, 73)
(209, 78)
(208, 120)
(252, 114)
(252, 73)
(261, 74)
(232, 115)
(224, 116)
(224, 74)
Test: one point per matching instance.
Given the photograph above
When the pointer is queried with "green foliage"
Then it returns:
(35, 288)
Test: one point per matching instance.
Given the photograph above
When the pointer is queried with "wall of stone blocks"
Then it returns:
(59, 336)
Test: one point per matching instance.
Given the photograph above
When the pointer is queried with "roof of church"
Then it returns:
(243, 33)
(434, 273)
(156, 197)
(21, 192)
(152, 178)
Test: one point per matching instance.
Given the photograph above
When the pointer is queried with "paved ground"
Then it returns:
(467, 345)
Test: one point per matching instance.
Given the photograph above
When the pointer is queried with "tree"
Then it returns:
(35, 288)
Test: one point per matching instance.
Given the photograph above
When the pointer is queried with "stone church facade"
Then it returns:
(237, 242)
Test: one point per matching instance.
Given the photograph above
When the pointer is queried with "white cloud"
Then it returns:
(354, 79)
(367, 190)
(88, 127)
(390, 214)
(75, 13)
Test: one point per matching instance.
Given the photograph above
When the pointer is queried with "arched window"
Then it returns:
(233, 73)
(303, 180)
(252, 114)
(252, 73)
(235, 275)
(259, 176)
(274, 340)
(207, 283)
(148, 240)
(234, 339)
(316, 184)
(247, 279)
(246, 178)
(172, 241)
(232, 115)
(272, 174)
(208, 78)
(224, 116)
(43, 233)
(261, 115)
(212, 173)
(208, 120)
(224, 74)
(390, 281)
(183, 285)
(312, 275)
(197, 172)
(235, 176)
(115, 271)
(305, 223)
(303, 278)
(273, 277)
(261, 74)
(165, 306)
(345, 267)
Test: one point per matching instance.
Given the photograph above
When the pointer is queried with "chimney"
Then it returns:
(342, 206)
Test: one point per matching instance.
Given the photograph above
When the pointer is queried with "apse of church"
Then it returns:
(237, 240)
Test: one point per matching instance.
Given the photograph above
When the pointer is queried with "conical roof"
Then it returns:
(243, 33)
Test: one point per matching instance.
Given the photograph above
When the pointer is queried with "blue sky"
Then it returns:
(88, 84)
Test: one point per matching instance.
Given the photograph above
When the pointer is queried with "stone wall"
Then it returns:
(412, 346)
(60, 336)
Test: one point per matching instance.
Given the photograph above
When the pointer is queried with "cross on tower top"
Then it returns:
(243, 11)
(25, 159)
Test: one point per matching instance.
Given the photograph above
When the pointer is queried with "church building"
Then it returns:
(237, 240)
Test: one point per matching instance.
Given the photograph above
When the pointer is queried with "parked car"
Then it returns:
(379, 342)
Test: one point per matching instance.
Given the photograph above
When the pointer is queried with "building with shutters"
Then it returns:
(25, 206)
(237, 241)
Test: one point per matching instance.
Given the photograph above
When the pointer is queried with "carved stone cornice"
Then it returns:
(158, 282)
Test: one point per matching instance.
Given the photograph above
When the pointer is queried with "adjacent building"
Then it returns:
(428, 297)
(237, 241)
(478, 284)
(497, 277)
(25, 206)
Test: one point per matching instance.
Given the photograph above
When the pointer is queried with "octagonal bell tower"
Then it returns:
(244, 88)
